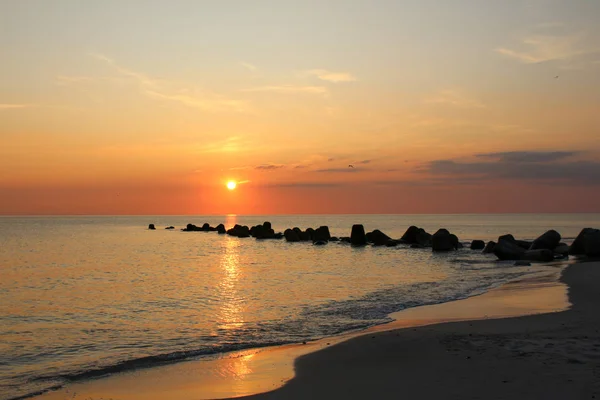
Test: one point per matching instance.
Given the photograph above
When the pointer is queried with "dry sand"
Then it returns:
(546, 356)
(554, 355)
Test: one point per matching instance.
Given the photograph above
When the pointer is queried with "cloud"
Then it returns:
(290, 89)
(5, 106)
(363, 162)
(340, 170)
(540, 167)
(529, 156)
(454, 97)
(333, 77)
(248, 66)
(164, 90)
(308, 185)
(269, 167)
(539, 48)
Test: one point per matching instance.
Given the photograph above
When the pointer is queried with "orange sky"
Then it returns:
(151, 107)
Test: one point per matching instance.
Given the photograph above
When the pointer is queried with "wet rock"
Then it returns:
(508, 250)
(205, 227)
(191, 228)
(522, 264)
(410, 236)
(562, 249)
(241, 231)
(539, 255)
(489, 248)
(170, 227)
(443, 240)
(507, 237)
(267, 225)
(377, 238)
(477, 245)
(578, 246)
(321, 234)
(221, 229)
(357, 235)
(592, 244)
(548, 240)
(151, 227)
(291, 235)
(334, 239)
(524, 244)
(311, 233)
(417, 246)
(319, 242)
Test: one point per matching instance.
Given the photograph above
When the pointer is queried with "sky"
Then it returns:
(406, 106)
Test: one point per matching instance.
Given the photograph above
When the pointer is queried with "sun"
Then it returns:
(231, 185)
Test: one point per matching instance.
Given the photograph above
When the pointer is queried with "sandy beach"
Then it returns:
(546, 356)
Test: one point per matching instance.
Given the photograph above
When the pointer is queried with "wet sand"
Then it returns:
(371, 363)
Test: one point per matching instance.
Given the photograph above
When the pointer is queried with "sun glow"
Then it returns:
(231, 185)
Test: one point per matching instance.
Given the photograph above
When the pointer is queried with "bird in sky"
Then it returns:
(350, 166)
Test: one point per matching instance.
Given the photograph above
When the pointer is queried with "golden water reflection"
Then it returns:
(230, 315)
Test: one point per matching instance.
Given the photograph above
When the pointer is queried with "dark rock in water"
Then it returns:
(457, 243)
(548, 240)
(443, 240)
(378, 238)
(334, 239)
(540, 255)
(291, 235)
(320, 242)
(489, 248)
(305, 236)
(267, 225)
(345, 239)
(578, 245)
(321, 234)
(417, 246)
(477, 245)
(508, 250)
(424, 238)
(562, 249)
(392, 243)
(524, 244)
(170, 227)
(357, 236)
(507, 237)
(241, 231)
(592, 244)
(151, 227)
(410, 236)
(205, 227)
(311, 233)
(191, 228)
(522, 264)
(221, 229)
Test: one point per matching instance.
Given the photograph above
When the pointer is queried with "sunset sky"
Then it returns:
(150, 107)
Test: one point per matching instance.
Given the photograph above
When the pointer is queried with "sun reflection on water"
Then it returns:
(230, 314)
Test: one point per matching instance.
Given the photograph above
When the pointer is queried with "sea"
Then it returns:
(87, 296)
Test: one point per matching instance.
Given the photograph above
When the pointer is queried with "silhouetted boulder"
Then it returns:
(391, 243)
(507, 237)
(170, 227)
(191, 228)
(508, 250)
(578, 246)
(477, 245)
(443, 240)
(311, 233)
(524, 244)
(548, 240)
(241, 231)
(562, 249)
(291, 235)
(321, 234)
(424, 238)
(319, 242)
(377, 238)
(345, 239)
(151, 227)
(267, 225)
(489, 248)
(592, 243)
(417, 246)
(410, 236)
(334, 239)
(522, 264)
(205, 227)
(539, 255)
(357, 236)
(221, 229)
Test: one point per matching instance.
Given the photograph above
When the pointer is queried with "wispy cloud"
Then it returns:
(330, 76)
(290, 89)
(538, 48)
(529, 156)
(249, 66)
(269, 167)
(454, 97)
(347, 170)
(5, 106)
(164, 90)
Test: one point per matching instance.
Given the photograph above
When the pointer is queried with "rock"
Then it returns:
(345, 239)
(311, 233)
(205, 227)
(548, 240)
(357, 236)
(410, 236)
(540, 255)
(241, 231)
(417, 246)
(524, 244)
(457, 243)
(578, 246)
(291, 235)
(508, 237)
(151, 227)
(424, 238)
(221, 229)
(443, 240)
(334, 239)
(378, 238)
(562, 249)
(489, 248)
(321, 234)
(170, 227)
(592, 243)
(191, 228)
(392, 243)
(319, 242)
(477, 245)
(267, 225)
(522, 264)
(508, 250)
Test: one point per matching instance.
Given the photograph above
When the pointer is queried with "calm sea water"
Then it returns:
(88, 296)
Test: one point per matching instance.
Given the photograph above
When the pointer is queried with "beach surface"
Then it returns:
(546, 356)
(409, 356)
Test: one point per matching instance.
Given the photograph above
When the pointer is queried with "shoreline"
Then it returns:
(260, 370)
